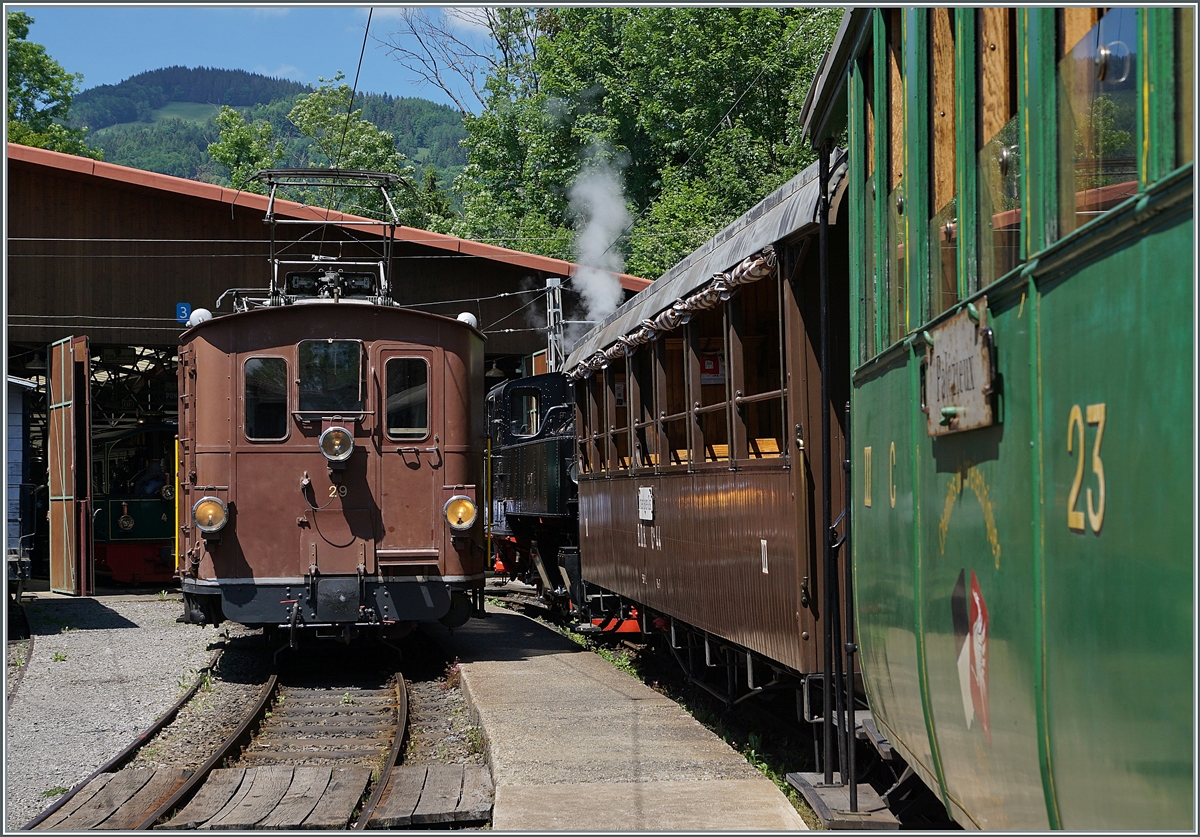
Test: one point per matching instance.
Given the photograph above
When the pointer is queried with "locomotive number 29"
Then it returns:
(337, 491)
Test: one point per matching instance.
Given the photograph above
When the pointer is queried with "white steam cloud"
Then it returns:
(598, 204)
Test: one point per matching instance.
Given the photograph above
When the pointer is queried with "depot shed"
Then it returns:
(109, 251)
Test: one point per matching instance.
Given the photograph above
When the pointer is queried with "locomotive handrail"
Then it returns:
(310, 415)
(711, 408)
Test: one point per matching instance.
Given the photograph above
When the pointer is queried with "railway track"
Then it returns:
(314, 752)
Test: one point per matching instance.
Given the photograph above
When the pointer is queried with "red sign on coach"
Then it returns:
(711, 369)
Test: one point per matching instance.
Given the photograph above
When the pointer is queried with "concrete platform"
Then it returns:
(574, 744)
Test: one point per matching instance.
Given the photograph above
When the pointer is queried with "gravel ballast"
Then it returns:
(102, 670)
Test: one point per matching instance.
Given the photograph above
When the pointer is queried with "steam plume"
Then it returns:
(596, 200)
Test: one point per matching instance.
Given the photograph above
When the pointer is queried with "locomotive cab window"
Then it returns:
(331, 376)
(524, 418)
(265, 402)
(407, 398)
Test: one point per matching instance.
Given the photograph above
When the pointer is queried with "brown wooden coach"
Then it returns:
(699, 422)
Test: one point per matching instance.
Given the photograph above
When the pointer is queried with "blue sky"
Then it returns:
(111, 43)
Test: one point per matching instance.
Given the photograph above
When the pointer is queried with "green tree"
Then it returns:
(696, 108)
(328, 135)
(341, 138)
(245, 148)
(39, 95)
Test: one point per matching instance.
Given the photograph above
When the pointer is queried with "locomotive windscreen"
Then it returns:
(266, 398)
(331, 376)
(407, 398)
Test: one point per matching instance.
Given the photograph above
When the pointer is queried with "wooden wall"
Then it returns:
(111, 259)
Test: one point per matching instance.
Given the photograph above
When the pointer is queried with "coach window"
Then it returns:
(618, 415)
(407, 398)
(595, 441)
(583, 424)
(761, 400)
(867, 72)
(711, 396)
(266, 381)
(641, 399)
(999, 148)
(897, 283)
(672, 403)
(943, 225)
(1098, 112)
(331, 376)
(1185, 113)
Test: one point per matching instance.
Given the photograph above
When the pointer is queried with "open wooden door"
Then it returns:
(69, 460)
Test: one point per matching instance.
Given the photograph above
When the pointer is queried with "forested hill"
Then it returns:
(136, 97)
(163, 121)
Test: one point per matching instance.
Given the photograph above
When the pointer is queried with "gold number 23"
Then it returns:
(1095, 514)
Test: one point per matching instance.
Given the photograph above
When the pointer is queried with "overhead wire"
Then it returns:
(354, 90)
(494, 323)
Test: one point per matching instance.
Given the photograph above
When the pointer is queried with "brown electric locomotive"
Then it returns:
(329, 450)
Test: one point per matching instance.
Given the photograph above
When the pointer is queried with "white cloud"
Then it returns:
(270, 11)
(283, 71)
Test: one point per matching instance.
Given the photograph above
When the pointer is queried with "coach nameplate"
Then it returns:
(958, 372)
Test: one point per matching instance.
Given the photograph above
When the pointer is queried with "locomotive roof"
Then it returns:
(315, 306)
(788, 209)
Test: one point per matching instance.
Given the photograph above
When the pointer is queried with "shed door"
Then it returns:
(69, 461)
(410, 438)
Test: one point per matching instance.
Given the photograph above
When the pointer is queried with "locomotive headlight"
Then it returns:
(336, 444)
(459, 512)
(210, 514)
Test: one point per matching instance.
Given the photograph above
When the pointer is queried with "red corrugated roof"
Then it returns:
(222, 194)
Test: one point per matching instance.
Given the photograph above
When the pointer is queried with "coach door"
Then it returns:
(410, 439)
(70, 468)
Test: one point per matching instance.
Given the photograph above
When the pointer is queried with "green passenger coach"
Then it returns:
(1020, 195)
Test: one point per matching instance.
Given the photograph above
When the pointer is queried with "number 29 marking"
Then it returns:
(1096, 414)
(337, 491)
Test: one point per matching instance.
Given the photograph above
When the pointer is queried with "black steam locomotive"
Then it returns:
(533, 520)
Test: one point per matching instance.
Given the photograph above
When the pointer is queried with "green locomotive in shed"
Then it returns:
(1020, 196)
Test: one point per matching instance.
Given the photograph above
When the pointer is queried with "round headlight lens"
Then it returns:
(337, 444)
(459, 512)
(210, 514)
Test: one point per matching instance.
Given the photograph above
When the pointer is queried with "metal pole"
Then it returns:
(828, 566)
(850, 646)
(554, 323)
